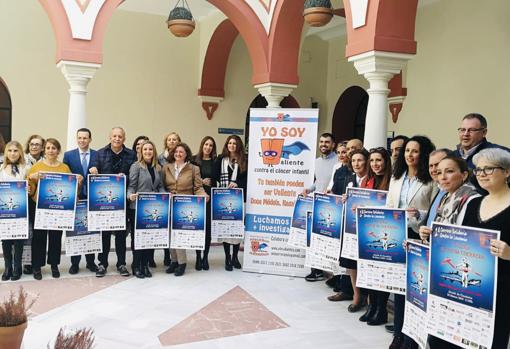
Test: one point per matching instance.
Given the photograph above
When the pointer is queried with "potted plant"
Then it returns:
(13, 319)
(318, 13)
(80, 339)
(180, 22)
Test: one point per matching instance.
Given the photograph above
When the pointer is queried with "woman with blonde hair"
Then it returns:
(13, 169)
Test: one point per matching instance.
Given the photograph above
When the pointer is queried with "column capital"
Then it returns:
(378, 62)
(78, 74)
(274, 92)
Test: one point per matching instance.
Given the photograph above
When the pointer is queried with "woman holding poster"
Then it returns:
(205, 159)
(230, 172)
(180, 176)
(144, 177)
(50, 163)
(13, 169)
(379, 176)
(493, 212)
(413, 189)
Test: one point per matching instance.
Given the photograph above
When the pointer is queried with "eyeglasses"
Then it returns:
(486, 170)
(470, 130)
(35, 145)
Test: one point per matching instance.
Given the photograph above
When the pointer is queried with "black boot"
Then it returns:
(371, 309)
(180, 270)
(205, 263)
(235, 262)
(228, 263)
(7, 273)
(171, 268)
(198, 262)
(380, 317)
(147, 272)
(16, 273)
(138, 273)
(27, 269)
(166, 259)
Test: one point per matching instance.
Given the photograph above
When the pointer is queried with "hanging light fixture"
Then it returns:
(180, 20)
(318, 13)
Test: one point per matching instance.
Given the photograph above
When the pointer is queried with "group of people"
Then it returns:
(175, 170)
(467, 186)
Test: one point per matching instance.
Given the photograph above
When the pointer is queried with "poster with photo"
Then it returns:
(80, 240)
(463, 279)
(188, 222)
(227, 213)
(56, 201)
(297, 234)
(357, 197)
(107, 202)
(13, 210)
(152, 220)
(382, 257)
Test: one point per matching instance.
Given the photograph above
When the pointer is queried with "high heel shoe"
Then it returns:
(380, 317)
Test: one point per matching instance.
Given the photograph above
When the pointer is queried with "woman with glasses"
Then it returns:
(180, 176)
(411, 188)
(230, 172)
(492, 212)
(50, 163)
(379, 176)
(13, 169)
(34, 150)
(205, 160)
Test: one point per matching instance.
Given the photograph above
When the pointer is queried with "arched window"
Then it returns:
(5, 112)
(350, 113)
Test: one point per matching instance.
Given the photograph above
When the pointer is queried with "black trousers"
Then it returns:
(89, 258)
(140, 257)
(207, 231)
(53, 238)
(120, 247)
(11, 260)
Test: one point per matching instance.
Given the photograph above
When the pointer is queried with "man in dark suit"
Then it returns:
(79, 161)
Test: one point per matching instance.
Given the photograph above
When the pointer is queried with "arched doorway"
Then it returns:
(5, 112)
(350, 113)
(260, 102)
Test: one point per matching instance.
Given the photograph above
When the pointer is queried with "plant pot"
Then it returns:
(318, 16)
(181, 27)
(11, 337)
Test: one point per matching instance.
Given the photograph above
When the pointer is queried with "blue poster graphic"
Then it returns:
(359, 197)
(57, 191)
(381, 233)
(309, 215)
(80, 220)
(302, 207)
(106, 192)
(462, 267)
(418, 257)
(188, 212)
(327, 215)
(152, 211)
(13, 199)
(227, 204)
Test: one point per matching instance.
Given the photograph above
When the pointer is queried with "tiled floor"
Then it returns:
(206, 309)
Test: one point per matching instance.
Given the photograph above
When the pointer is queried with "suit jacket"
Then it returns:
(72, 158)
(188, 182)
(420, 198)
(140, 181)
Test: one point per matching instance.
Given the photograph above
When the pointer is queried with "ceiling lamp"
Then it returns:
(318, 13)
(180, 20)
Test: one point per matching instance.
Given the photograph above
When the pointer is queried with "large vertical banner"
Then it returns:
(463, 279)
(281, 164)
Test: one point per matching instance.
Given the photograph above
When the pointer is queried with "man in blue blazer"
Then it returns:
(80, 160)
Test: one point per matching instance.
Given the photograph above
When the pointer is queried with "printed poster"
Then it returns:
(282, 159)
(152, 220)
(107, 202)
(188, 222)
(81, 241)
(297, 234)
(382, 257)
(463, 279)
(227, 213)
(13, 210)
(56, 201)
(357, 197)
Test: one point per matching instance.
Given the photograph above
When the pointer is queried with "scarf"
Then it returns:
(224, 177)
(452, 204)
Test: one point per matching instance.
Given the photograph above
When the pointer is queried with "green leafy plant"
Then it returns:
(80, 339)
(14, 309)
(317, 3)
(180, 13)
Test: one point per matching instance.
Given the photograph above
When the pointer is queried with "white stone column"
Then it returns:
(78, 75)
(378, 68)
(274, 92)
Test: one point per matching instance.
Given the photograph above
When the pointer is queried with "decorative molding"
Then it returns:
(359, 9)
(78, 74)
(264, 10)
(82, 17)
(274, 92)
(381, 62)
(395, 105)
(210, 104)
